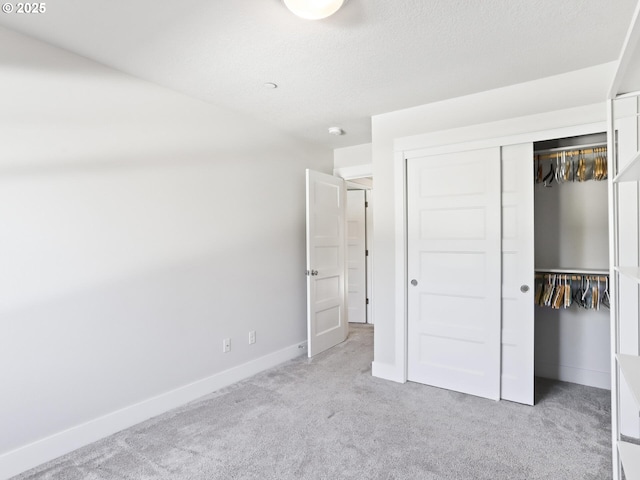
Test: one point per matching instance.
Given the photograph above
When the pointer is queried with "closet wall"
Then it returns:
(571, 233)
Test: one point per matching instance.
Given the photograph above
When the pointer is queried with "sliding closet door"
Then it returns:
(453, 208)
(517, 273)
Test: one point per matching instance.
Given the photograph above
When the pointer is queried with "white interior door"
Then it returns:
(356, 256)
(370, 250)
(326, 264)
(518, 272)
(453, 209)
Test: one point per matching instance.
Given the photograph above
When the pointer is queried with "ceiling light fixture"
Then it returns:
(314, 9)
(336, 131)
(270, 85)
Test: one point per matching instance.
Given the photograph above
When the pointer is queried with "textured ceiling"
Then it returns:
(372, 57)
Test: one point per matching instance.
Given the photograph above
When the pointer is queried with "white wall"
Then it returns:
(139, 229)
(352, 156)
(572, 225)
(572, 231)
(574, 89)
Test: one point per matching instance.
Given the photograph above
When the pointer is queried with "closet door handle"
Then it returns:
(524, 288)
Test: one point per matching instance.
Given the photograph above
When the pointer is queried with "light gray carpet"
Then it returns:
(330, 419)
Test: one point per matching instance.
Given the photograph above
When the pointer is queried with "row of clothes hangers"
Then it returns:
(571, 166)
(563, 290)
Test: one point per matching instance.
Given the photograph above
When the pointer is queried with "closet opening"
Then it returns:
(572, 320)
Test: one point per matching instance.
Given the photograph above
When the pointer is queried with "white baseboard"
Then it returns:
(582, 376)
(387, 371)
(36, 453)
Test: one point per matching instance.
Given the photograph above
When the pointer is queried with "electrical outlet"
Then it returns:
(226, 345)
(252, 337)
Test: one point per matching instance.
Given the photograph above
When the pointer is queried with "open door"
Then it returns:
(327, 323)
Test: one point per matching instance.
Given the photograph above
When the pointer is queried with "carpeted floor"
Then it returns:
(328, 418)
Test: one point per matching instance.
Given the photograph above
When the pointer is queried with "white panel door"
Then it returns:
(453, 209)
(356, 256)
(518, 274)
(370, 250)
(326, 263)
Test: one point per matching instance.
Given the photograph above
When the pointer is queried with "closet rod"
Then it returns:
(578, 277)
(573, 147)
(576, 148)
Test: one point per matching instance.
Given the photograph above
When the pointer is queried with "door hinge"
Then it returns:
(307, 273)
(366, 253)
(367, 301)
(366, 204)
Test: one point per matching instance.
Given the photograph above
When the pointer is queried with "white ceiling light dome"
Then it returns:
(314, 9)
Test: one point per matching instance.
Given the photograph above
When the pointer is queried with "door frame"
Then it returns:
(360, 204)
(432, 144)
(353, 173)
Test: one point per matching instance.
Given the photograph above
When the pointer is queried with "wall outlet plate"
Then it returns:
(226, 345)
(252, 337)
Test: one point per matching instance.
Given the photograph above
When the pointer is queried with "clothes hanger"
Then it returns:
(606, 299)
(567, 292)
(548, 179)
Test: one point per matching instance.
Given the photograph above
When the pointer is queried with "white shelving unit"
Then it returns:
(630, 456)
(626, 455)
(630, 368)
(632, 273)
(625, 367)
(630, 172)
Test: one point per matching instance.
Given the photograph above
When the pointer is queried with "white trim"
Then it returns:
(625, 107)
(410, 147)
(565, 373)
(36, 453)
(357, 171)
(564, 132)
(401, 327)
(517, 127)
(351, 185)
(386, 371)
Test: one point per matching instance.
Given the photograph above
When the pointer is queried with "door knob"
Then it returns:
(524, 288)
(314, 272)
(414, 282)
